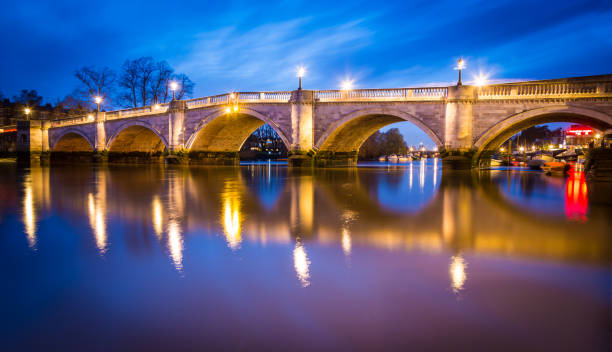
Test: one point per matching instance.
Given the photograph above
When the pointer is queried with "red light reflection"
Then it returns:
(576, 201)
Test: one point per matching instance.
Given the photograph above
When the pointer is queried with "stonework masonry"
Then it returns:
(328, 125)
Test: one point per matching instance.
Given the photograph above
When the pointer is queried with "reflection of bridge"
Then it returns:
(331, 125)
(310, 207)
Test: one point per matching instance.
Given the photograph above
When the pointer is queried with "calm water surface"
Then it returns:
(262, 257)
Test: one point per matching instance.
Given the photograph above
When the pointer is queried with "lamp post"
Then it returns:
(98, 99)
(460, 66)
(301, 71)
(27, 112)
(173, 88)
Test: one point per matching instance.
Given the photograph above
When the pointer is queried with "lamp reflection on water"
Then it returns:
(576, 200)
(422, 174)
(301, 264)
(410, 178)
(29, 214)
(435, 172)
(97, 221)
(157, 217)
(175, 243)
(231, 223)
(457, 273)
(346, 241)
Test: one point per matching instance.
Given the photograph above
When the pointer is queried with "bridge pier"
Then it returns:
(302, 128)
(458, 120)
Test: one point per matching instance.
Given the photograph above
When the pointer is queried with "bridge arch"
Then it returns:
(350, 132)
(137, 136)
(72, 140)
(226, 132)
(497, 134)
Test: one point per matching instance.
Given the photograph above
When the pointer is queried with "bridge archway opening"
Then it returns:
(490, 143)
(72, 142)
(228, 132)
(137, 139)
(351, 134)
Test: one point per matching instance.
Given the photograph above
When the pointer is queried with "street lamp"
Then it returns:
(481, 80)
(98, 99)
(27, 112)
(301, 71)
(460, 66)
(90, 117)
(173, 88)
(347, 84)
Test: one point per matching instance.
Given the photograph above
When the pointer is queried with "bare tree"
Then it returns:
(159, 82)
(95, 82)
(144, 82)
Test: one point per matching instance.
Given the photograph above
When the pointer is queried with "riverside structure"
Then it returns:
(322, 127)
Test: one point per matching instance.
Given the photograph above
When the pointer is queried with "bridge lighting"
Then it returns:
(347, 84)
(235, 108)
(301, 71)
(481, 80)
(460, 66)
(156, 107)
(173, 88)
(90, 117)
(98, 100)
(228, 110)
(502, 149)
(232, 95)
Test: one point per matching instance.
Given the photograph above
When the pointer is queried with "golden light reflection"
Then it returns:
(410, 178)
(301, 264)
(435, 172)
(346, 241)
(175, 243)
(457, 273)
(29, 215)
(231, 223)
(97, 222)
(157, 217)
(422, 174)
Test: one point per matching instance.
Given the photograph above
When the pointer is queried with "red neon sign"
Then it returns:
(580, 131)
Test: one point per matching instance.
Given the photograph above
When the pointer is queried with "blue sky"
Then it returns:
(255, 45)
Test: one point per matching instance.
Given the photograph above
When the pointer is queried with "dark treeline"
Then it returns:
(383, 143)
(537, 135)
(140, 82)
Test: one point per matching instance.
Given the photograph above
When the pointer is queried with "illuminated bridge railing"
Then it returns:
(395, 94)
(240, 97)
(545, 90)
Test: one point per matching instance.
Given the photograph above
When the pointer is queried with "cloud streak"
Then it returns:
(267, 55)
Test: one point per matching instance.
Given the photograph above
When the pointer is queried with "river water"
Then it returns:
(263, 257)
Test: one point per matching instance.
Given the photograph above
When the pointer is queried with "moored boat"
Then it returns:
(404, 159)
(382, 159)
(392, 158)
(555, 168)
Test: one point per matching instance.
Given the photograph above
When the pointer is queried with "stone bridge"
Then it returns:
(324, 126)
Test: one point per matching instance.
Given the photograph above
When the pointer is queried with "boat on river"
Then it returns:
(555, 168)
(382, 159)
(392, 158)
(404, 159)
